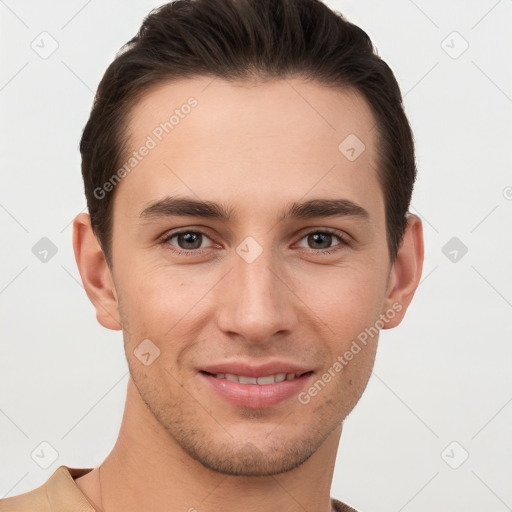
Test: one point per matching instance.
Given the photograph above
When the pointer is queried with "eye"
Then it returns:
(189, 242)
(321, 241)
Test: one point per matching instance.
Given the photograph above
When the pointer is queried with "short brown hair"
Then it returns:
(243, 40)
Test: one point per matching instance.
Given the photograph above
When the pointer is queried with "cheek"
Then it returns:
(347, 299)
(349, 306)
(168, 303)
(161, 302)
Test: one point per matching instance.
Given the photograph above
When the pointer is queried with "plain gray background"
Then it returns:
(432, 430)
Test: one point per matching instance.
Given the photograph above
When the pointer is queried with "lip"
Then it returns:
(255, 396)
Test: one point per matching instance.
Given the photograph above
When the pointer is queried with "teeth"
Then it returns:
(247, 380)
(269, 379)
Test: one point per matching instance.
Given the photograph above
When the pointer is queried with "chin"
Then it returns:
(249, 460)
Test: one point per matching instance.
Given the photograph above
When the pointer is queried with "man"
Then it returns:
(248, 169)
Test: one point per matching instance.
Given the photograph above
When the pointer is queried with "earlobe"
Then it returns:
(95, 273)
(406, 271)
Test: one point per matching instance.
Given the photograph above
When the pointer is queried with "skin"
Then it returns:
(255, 147)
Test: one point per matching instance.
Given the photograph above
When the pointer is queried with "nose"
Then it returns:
(258, 302)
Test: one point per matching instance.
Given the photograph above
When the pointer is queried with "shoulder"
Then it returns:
(338, 506)
(33, 501)
(58, 494)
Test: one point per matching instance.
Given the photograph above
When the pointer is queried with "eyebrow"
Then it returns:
(182, 206)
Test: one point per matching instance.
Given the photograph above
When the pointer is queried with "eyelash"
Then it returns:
(340, 236)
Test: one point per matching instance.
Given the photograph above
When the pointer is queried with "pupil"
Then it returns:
(190, 238)
(318, 237)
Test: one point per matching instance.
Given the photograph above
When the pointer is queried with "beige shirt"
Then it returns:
(60, 493)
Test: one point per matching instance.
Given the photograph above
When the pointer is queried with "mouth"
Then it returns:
(258, 391)
(262, 380)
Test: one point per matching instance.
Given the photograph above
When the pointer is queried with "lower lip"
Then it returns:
(256, 395)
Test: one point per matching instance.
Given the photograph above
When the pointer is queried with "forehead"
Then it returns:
(269, 142)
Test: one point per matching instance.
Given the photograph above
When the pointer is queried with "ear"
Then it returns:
(406, 271)
(95, 273)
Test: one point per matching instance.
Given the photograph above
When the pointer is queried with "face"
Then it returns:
(265, 289)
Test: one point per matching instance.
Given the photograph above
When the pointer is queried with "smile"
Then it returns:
(256, 391)
(243, 379)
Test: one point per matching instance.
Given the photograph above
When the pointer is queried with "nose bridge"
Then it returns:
(257, 304)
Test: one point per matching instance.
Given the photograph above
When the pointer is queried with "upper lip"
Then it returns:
(252, 370)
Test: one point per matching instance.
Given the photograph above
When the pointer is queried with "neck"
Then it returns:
(146, 465)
